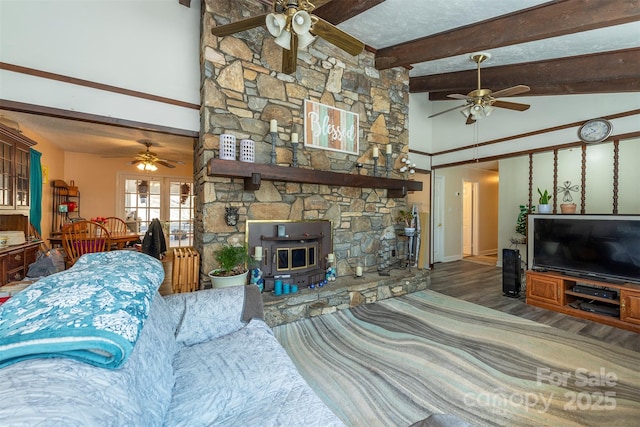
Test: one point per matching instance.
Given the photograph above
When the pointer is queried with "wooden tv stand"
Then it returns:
(554, 291)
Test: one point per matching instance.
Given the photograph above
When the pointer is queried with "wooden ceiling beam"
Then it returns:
(551, 19)
(616, 71)
(339, 11)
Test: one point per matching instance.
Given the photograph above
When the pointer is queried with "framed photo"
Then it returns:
(330, 128)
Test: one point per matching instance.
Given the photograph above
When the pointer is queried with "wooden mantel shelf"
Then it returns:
(254, 173)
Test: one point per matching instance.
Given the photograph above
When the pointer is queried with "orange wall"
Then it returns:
(95, 176)
(96, 179)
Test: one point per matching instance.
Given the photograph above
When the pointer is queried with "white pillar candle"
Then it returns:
(388, 148)
(294, 138)
(331, 258)
(375, 151)
(273, 125)
(258, 252)
(358, 271)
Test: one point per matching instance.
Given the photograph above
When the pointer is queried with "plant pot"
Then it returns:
(544, 209)
(409, 231)
(568, 208)
(226, 281)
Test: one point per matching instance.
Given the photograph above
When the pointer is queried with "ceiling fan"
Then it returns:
(293, 26)
(481, 102)
(147, 160)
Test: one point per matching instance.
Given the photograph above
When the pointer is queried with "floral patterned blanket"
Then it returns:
(92, 312)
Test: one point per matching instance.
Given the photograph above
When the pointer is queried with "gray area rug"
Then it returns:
(395, 362)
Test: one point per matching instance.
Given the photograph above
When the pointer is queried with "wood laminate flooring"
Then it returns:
(482, 285)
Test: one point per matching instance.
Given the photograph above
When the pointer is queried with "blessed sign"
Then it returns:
(330, 128)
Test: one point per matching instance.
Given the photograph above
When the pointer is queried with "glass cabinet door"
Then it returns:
(6, 179)
(22, 177)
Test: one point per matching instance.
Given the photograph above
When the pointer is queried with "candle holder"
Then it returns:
(375, 166)
(388, 165)
(274, 135)
(294, 158)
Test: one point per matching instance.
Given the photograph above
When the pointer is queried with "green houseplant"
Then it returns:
(407, 218)
(232, 271)
(544, 206)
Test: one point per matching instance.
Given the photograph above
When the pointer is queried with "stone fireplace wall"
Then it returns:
(243, 89)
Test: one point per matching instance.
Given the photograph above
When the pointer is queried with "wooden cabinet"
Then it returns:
(15, 260)
(630, 306)
(558, 292)
(545, 290)
(14, 169)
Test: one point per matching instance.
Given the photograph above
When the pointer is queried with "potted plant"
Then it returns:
(407, 218)
(544, 206)
(232, 271)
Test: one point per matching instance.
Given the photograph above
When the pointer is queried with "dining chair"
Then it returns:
(116, 225)
(84, 237)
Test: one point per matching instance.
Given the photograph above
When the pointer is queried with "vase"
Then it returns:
(544, 209)
(409, 231)
(568, 208)
(226, 281)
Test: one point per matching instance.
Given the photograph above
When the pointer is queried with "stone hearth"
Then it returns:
(344, 293)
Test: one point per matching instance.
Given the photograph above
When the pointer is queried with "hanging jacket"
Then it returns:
(154, 243)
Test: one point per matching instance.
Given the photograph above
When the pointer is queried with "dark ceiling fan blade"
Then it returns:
(470, 120)
(515, 90)
(177, 162)
(446, 111)
(236, 27)
(163, 163)
(458, 96)
(135, 162)
(336, 36)
(511, 105)
(290, 57)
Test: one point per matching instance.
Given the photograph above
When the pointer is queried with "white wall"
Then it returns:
(150, 46)
(514, 183)
(449, 131)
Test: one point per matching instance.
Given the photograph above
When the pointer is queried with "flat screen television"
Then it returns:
(600, 247)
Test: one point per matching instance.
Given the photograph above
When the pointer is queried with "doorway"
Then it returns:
(469, 218)
(438, 219)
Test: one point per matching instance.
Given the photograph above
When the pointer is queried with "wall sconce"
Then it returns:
(231, 216)
(407, 166)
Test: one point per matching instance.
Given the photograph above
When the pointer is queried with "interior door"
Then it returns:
(438, 219)
(467, 218)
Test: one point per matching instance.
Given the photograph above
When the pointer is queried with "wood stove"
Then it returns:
(293, 251)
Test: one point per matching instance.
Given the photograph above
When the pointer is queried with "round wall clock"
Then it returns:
(595, 130)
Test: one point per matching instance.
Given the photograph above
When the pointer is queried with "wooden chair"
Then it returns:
(84, 237)
(116, 225)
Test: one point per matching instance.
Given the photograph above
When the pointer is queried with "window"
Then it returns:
(170, 199)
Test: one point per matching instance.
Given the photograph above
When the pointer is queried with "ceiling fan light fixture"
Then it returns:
(147, 166)
(301, 22)
(466, 111)
(284, 40)
(276, 23)
(305, 40)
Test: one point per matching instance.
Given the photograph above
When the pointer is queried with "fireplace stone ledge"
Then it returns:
(345, 292)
